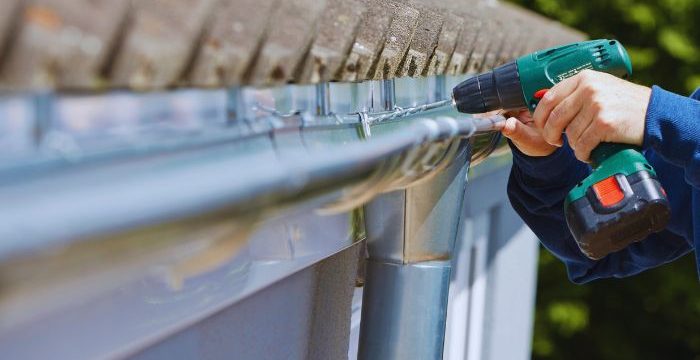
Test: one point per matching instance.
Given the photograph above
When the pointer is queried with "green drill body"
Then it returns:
(621, 201)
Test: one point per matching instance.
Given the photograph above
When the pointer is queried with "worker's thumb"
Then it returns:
(516, 130)
(526, 138)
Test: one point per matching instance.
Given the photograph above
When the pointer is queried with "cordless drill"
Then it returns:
(621, 201)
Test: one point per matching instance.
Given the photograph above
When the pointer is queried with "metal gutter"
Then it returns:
(179, 186)
(114, 208)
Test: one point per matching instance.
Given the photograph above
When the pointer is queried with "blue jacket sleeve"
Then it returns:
(537, 188)
(673, 131)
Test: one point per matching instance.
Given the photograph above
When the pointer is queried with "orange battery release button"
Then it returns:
(608, 191)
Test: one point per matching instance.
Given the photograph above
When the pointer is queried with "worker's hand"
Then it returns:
(521, 131)
(593, 107)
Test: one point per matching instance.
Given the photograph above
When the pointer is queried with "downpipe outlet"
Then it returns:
(411, 235)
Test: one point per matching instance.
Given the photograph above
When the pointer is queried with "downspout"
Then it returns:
(411, 234)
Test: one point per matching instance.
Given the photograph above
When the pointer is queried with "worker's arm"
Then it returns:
(537, 187)
(673, 131)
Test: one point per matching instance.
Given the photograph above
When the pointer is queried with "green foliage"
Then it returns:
(662, 35)
(654, 315)
(568, 317)
(678, 45)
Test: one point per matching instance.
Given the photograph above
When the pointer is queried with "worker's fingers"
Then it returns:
(514, 129)
(521, 133)
(578, 125)
(588, 141)
(523, 115)
(526, 137)
(561, 116)
(552, 98)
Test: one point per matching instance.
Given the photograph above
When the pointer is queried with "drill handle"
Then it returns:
(605, 151)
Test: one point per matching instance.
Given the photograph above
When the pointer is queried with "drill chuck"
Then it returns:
(493, 90)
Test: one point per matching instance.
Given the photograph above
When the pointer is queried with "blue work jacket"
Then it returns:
(538, 185)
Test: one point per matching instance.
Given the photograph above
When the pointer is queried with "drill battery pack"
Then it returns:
(616, 212)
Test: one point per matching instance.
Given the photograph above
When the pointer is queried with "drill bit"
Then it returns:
(482, 123)
(401, 112)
